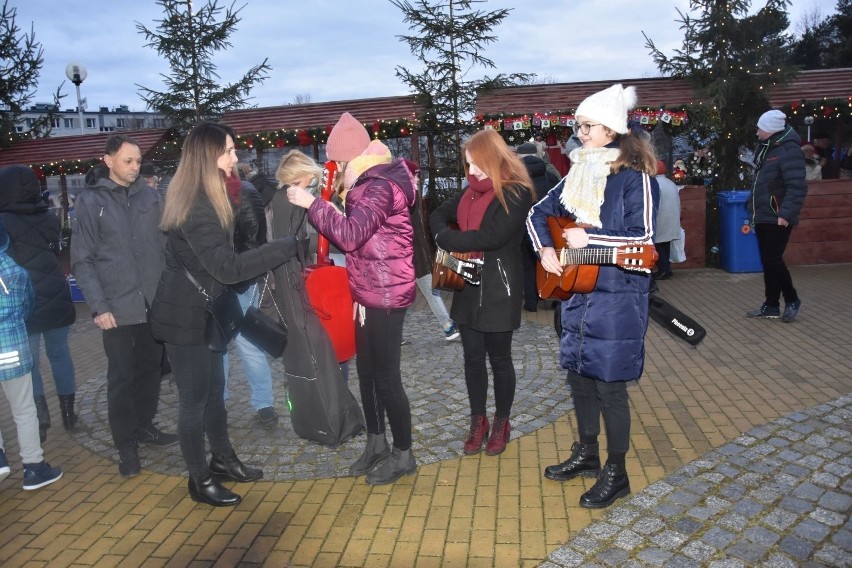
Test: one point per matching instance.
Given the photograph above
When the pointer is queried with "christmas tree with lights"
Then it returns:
(732, 58)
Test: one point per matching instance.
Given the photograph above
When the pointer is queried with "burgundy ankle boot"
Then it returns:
(478, 434)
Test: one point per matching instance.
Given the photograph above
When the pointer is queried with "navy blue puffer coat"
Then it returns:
(603, 332)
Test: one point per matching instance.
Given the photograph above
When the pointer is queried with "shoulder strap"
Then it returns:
(189, 276)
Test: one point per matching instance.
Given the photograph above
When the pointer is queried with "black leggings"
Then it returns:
(498, 347)
(593, 398)
(378, 343)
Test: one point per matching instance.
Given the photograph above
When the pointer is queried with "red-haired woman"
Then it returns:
(490, 214)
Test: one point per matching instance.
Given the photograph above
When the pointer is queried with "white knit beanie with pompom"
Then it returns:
(609, 107)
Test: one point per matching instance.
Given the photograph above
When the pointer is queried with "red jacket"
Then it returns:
(376, 235)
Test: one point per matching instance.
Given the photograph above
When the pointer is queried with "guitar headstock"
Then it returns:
(329, 176)
(637, 257)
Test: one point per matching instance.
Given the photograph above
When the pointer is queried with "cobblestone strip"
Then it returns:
(433, 374)
(777, 496)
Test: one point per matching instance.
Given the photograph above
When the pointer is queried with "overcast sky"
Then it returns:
(332, 50)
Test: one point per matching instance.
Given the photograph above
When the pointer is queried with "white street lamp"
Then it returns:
(76, 73)
(809, 120)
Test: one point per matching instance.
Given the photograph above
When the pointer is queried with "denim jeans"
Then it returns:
(56, 348)
(436, 301)
(254, 362)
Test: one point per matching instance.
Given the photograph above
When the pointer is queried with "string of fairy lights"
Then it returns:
(516, 128)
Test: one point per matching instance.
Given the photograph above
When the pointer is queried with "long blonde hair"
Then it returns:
(503, 167)
(295, 165)
(198, 171)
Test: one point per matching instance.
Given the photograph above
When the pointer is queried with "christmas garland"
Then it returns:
(380, 129)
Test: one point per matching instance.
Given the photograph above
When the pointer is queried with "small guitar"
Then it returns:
(452, 269)
(581, 265)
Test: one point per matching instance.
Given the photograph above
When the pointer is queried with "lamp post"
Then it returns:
(76, 73)
(808, 121)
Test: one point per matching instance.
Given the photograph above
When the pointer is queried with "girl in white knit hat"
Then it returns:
(611, 194)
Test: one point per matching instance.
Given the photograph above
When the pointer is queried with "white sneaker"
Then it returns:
(451, 333)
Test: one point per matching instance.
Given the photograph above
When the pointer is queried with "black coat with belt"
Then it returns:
(494, 305)
(207, 251)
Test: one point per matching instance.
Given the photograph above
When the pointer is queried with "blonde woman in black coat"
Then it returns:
(199, 221)
(491, 215)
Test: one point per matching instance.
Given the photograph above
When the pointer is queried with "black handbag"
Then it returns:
(223, 318)
(223, 321)
(263, 331)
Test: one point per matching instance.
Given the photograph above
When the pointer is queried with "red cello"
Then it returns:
(327, 286)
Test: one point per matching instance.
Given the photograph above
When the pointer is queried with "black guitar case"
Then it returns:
(322, 408)
(675, 321)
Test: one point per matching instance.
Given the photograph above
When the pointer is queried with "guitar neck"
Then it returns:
(450, 261)
(586, 255)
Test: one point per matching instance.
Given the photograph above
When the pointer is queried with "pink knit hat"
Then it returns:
(347, 139)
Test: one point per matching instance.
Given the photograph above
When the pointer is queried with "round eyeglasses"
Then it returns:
(583, 128)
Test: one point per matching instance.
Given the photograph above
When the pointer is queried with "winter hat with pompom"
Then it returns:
(609, 107)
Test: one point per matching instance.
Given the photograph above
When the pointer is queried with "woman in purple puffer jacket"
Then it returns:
(376, 235)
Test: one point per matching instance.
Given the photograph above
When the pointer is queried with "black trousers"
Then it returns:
(772, 242)
(378, 342)
(530, 260)
(498, 347)
(133, 379)
(200, 378)
(664, 251)
(593, 398)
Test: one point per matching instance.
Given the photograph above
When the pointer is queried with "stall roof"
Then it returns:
(74, 148)
(808, 85)
(320, 115)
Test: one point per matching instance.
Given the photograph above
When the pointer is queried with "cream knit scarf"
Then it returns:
(583, 191)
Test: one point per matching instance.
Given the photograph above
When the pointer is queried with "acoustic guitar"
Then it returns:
(580, 272)
(452, 269)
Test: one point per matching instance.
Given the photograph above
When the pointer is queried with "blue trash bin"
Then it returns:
(737, 239)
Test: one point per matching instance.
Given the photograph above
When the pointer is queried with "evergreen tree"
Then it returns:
(825, 43)
(187, 38)
(449, 37)
(21, 58)
(732, 59)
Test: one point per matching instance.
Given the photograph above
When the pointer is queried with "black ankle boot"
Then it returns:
(399, 463)
(612, 483)
(43, 417)
(585, 460)
(211, 492)
(230, 467)
(66, 406)
(376, 450)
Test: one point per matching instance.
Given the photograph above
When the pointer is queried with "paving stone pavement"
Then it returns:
(432, 373)
(777, 496)
(740, 456)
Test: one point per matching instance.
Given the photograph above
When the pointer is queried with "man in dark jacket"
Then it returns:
(34, 234)
(543, 179)
(776, 198)
(117, 255)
